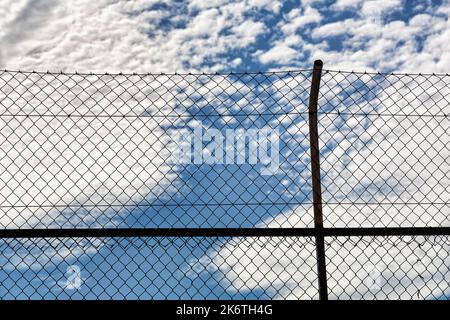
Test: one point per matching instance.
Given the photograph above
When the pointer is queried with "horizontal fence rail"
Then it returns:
(307, 184)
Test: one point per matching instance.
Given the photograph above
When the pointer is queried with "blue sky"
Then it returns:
(211, 36)
(256, 35)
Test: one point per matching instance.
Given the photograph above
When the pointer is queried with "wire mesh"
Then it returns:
(85, 151)
(369, 268)
(385, 149)
(158, 268)
(98, 150)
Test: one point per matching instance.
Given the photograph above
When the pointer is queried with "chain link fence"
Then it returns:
(199, 186)
(385, 155)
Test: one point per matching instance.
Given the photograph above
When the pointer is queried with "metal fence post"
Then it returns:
(315, 176)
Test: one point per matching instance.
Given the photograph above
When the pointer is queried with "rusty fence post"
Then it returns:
(315, 176)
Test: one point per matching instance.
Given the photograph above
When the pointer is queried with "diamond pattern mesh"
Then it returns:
(385, 149)
(98, 151)
(159, 268)
(393, 268)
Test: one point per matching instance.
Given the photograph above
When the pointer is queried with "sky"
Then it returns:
(222, 36)
(217, 36)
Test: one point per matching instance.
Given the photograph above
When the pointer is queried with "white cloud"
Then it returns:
(336, 28)
(247, 31)
(346, 4)
(298, 18)
(121, 36)
(279, 54)
(285, 50)
(404, 46)
(376, 8)
(270, 5)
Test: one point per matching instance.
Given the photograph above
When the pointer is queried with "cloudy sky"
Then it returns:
(219, 36)
(253, 35)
